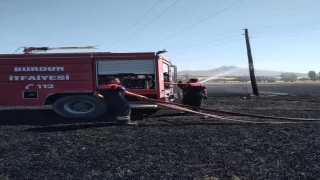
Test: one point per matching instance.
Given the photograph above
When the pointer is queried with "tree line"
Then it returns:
(290, 77)
(286, 77)
(313, 75)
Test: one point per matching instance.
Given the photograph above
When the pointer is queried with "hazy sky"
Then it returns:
(285, 34)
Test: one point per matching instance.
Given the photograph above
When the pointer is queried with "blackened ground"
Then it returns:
(279, 88)
(36, 144)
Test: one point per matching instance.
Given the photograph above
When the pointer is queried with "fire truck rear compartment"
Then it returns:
(135, 75)
(138, 76)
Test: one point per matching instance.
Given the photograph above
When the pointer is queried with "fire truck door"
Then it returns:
(174, 78)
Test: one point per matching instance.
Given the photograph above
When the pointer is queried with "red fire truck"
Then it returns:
(66, 81)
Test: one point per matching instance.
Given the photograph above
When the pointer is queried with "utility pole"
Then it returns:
(251, 68)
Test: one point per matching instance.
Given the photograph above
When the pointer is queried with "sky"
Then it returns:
(198, 35)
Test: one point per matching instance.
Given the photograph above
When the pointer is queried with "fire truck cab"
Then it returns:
(66, 81)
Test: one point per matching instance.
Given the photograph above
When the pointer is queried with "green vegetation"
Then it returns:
(312, 75)
(283, 78)
(288, 77)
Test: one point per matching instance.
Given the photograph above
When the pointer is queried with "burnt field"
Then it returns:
(266, 88)
(36, 144)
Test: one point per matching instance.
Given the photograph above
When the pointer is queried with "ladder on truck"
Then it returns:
(29, 50)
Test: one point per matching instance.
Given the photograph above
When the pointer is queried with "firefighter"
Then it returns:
(112, 92)
(195, 92)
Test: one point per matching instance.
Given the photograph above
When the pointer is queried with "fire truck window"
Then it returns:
(166, 72)
(166, 75)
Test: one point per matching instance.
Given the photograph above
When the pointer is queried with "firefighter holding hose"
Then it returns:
(193, 92)
(112, 93)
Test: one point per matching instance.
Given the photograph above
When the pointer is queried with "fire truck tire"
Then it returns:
(79, 106)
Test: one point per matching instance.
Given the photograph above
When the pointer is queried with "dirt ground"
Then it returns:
(36, 144)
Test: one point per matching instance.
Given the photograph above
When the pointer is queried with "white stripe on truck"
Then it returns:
(143, 106)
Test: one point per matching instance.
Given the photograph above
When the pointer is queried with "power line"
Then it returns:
(150, 22)
(208, 42)
(17, 50)
(137, 22)
(199, 22)
(145, 14)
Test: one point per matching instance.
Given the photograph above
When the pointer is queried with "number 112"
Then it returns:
(45, 86)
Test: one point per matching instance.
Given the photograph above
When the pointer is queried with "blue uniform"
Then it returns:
(113, 97)
(193, 94)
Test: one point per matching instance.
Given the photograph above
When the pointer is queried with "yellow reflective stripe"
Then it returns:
(123, 117)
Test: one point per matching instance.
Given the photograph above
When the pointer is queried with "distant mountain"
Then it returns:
(234, 71)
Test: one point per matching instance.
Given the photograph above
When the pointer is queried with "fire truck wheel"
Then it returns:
(79, 106)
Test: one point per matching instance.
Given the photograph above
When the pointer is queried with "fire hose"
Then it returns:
(187, 108)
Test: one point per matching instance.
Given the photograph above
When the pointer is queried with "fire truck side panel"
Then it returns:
(29, 81)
